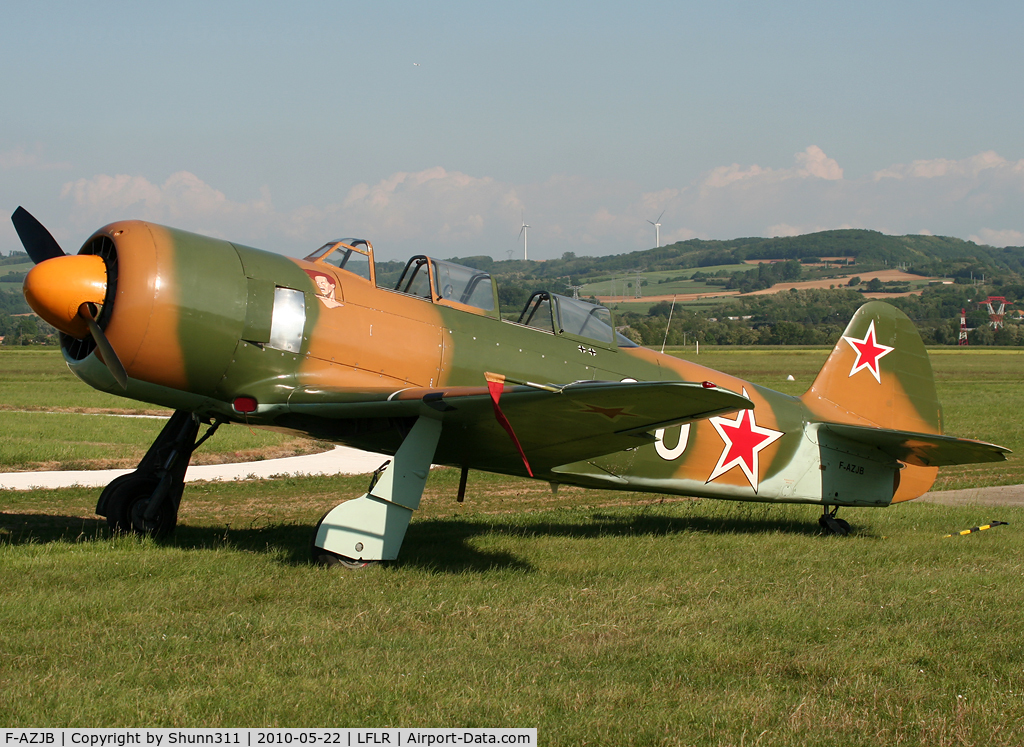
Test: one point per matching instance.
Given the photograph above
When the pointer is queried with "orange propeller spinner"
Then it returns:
(64, 289)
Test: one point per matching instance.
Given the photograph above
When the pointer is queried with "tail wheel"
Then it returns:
(128, 501)
(832, 525)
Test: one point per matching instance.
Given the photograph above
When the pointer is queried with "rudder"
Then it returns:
(878, 374)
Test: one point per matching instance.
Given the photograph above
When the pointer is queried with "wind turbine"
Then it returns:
(657, 229)
(523, 232)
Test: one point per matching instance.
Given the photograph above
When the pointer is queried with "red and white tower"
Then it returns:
(996, 307)
(963, 327)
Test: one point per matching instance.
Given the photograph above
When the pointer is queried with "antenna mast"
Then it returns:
(996, 307)
(669, 324)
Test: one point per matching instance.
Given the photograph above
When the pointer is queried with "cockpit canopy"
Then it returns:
(353, 255)
(563, 315)
(450, 284)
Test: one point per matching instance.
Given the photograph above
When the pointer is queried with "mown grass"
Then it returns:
(67, 441)
(599, 617)
(660, 282)
(51, 420)
(37, 378)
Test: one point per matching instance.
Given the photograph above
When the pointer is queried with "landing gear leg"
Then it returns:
(146, 501)
(372, 526)
(831, 524)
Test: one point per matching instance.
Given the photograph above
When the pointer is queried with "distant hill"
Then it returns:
(924, 255)
(14, 258)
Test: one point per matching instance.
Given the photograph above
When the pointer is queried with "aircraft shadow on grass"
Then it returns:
(443, 545)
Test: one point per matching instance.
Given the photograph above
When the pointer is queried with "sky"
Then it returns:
(439, 128)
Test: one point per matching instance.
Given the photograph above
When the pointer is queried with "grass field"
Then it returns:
(644, 307)
(51, 420)
(598, 617)
(660, 282)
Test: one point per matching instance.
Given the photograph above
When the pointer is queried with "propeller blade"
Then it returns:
(110, 358)
(659, 217)
(37, 241)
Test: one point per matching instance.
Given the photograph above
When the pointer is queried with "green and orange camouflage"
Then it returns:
(429, 371)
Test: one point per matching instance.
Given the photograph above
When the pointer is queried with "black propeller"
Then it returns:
(37, 241)
(88, 312)
(41, 246)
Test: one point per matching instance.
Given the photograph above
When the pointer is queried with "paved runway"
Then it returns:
(339, 461)
(1000, 495)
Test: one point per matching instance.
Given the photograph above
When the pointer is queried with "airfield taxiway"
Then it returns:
(342, 460)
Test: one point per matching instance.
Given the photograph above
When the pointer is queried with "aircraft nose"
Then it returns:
(56, 288)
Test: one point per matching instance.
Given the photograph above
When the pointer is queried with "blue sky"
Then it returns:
(281, 126)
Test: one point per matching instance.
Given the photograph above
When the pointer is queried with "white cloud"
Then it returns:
(814, 162)
(943, 167)
(450, 213)
(183, 199)
(811, 162)
(680, 234)
(22, 158)
(784, 229)
(1008, 237)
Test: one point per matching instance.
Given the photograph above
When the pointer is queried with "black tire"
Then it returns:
(103, 504)
(330, 560)
(832, 525)
(126, 507)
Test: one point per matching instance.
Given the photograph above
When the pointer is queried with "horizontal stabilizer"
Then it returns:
(921, 449)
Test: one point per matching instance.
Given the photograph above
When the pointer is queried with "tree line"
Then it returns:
(818, 317)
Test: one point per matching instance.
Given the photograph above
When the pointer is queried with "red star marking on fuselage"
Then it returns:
(869, 352)
(744, 439)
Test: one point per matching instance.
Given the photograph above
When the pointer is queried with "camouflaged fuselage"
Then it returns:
(200, 323)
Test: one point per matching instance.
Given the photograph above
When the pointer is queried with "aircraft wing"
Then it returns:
(553, 424)
(921, 449)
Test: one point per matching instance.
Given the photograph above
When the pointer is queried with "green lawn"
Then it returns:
(599, 617)
(51, 420)
(661, 282)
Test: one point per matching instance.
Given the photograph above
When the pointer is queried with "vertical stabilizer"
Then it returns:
(878, 374)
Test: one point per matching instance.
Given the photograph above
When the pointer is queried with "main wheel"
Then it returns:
(127, 503)
(329, 559)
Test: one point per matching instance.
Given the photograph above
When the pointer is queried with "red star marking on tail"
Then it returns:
(869, 352)
(744, 439)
